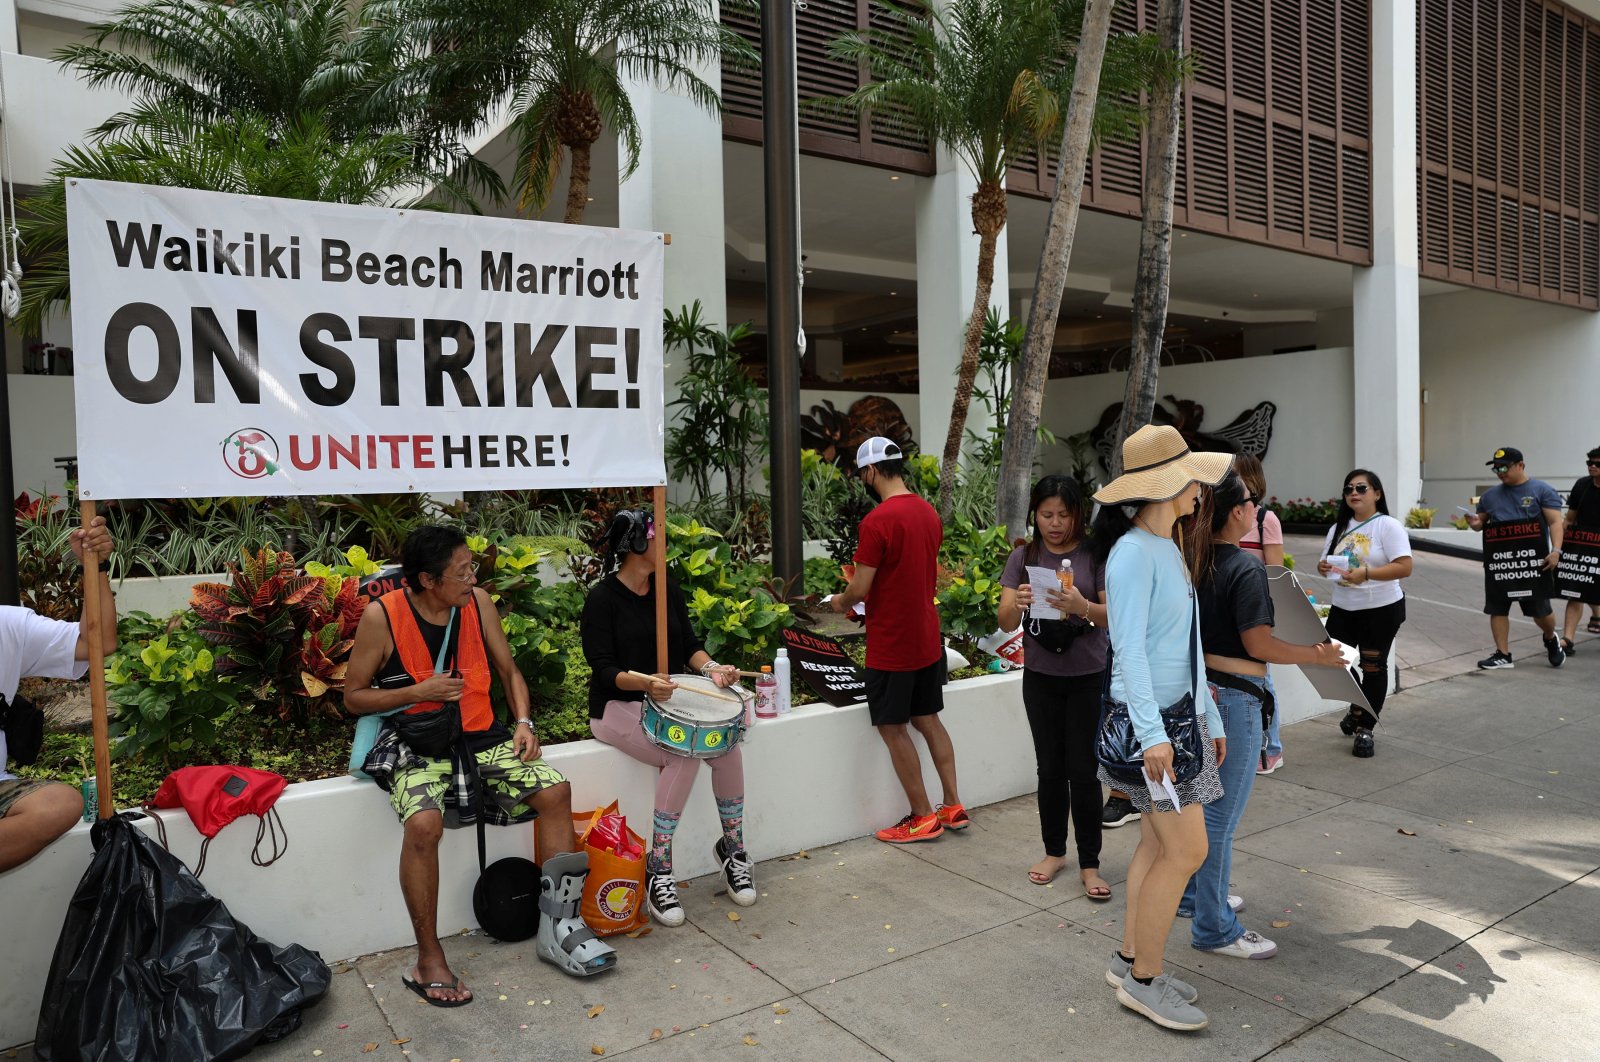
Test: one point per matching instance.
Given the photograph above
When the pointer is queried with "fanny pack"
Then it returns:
(432, 734)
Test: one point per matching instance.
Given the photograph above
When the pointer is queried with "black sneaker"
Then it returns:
(1552, 649)
(1347, 725)
(661, 894)
(1117, 812)
(1363, 748)
(1497, 661)
(738, 872)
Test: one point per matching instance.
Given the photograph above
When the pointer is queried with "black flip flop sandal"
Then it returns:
(422, 990)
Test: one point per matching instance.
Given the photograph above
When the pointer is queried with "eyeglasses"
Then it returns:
(1357, 488)
(1501, 470)
(470, 577)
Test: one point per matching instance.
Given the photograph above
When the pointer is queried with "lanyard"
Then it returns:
(1346, 536)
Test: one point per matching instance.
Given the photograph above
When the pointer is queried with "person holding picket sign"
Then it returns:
(1520, 497)
(1583, 513)
(427, 650)
(619, 641)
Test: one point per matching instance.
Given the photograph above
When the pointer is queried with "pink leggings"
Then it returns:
(619, 727)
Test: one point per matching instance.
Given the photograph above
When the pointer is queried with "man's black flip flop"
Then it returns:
(422, 990)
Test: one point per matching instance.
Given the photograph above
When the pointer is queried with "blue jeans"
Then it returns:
(1215, 925)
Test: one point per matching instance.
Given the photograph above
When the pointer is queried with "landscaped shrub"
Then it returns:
(1305, 510)
(167, 692)
(971, 561)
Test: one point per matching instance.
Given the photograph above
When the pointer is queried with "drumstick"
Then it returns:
(735, 698)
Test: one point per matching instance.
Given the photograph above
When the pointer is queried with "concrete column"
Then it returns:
(947, 280)
(678, 189)
(1387, 412)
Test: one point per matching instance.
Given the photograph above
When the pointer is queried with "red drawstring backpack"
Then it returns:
(215, 796)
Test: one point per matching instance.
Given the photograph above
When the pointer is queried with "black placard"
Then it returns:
(1512, 553)
(375, 586)
(1578, 577)
(825, 666)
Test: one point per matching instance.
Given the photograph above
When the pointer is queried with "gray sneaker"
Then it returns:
(1160, 1002)
(1117, 972)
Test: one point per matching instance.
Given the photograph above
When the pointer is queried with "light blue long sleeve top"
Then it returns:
(1151, 609)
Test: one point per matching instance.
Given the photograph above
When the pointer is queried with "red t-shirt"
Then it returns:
(901, 538)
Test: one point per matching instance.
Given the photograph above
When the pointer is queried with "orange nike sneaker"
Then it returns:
(912, 828)
(954, 816)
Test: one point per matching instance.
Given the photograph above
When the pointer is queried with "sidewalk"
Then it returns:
(1440, 902)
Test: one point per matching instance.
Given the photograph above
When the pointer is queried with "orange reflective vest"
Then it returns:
(472, 659)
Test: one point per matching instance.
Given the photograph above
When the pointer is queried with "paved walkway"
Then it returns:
(1437, 902)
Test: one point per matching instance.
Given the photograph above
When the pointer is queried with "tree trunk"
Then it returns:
(988, 218)
(1150, 286)
(1033, 369)
(578, 182)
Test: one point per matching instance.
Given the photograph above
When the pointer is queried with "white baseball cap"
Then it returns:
(877, 449)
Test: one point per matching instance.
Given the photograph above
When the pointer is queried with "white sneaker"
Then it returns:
(1250, 946)
(1235, 903)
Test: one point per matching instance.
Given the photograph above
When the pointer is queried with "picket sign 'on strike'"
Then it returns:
(236, 345)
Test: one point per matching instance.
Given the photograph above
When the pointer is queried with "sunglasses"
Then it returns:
(1593, 464)
(1254, 499)
(1500, 470)
(1357, 488)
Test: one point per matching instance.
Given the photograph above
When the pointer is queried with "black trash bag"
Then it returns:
(152, 967)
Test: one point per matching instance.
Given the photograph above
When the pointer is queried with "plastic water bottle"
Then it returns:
(766, 693)
(780, 673)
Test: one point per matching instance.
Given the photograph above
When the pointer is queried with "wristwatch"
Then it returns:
(525, 722)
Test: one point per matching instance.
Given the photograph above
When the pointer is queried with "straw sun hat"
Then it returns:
(1157, 464)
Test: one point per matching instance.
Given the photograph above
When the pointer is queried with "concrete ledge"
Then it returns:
(1468, 545)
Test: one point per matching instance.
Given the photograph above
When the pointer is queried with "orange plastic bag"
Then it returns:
(613, 894)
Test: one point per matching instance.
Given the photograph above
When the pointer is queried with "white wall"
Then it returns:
(1312, 440)
(46, 110)
(1504, 371)
(42, 429)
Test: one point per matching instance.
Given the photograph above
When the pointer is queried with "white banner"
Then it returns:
(233, 345)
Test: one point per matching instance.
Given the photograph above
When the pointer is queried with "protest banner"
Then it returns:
(1578, 576)
(232, 345)
(826, 667)
(1513, 550)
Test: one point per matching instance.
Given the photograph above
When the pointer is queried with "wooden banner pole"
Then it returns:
(660, 500)
(93, 609)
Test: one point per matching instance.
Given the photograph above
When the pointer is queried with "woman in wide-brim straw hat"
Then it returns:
(1154, 621)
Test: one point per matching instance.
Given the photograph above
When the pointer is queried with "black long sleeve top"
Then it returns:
(619, 634)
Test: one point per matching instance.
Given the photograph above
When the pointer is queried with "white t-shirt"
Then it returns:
(1371, 544)
(33, 645)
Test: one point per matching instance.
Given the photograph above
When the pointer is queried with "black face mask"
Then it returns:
(872, 492)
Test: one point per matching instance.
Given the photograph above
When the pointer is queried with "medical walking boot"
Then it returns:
(564, 940)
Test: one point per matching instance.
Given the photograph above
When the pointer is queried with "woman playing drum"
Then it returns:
(619, 640)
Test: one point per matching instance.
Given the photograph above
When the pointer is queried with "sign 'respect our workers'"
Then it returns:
(236, 345)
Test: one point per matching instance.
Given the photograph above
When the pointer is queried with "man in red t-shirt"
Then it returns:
(895, 566)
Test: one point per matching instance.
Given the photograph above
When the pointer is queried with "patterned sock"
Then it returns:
(732, 814)
(659, 861)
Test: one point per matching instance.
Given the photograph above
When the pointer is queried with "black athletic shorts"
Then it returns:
(895, 696)
(1532, 607)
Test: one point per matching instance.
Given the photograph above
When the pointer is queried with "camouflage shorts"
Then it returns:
(508, 781)
(14, 789)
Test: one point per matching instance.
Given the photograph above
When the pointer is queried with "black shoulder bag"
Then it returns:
(23, 723)
(434, 733)
(1117, 745)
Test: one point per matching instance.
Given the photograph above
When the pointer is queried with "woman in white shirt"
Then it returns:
(1370, 552)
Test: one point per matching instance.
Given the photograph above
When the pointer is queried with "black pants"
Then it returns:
(1371, 630)
(1064, 713)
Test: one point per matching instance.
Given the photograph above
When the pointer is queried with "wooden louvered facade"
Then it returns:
(1508, 100)
(878, 140)
(1275, 144)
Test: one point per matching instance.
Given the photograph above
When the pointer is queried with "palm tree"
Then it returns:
(988, 79)
(1016, 463)
(560, 66)
(244, 154)
(1150, 286)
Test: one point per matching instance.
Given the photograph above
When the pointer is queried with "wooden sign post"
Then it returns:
(93, 610)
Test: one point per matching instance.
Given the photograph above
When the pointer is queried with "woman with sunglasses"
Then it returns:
(1369, 552)
(619, 641)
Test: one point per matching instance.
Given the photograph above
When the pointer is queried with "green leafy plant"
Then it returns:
(168, 694)
(740, 630)
(719, 429)
(357, 565)
(822, 576)
(968, 593)
(49, 578)
(1460, 523)
(283, 633)
(542, 663)
(1420, 517)
(1305, 510)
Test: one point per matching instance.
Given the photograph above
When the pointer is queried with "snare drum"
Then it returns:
(701, 719)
